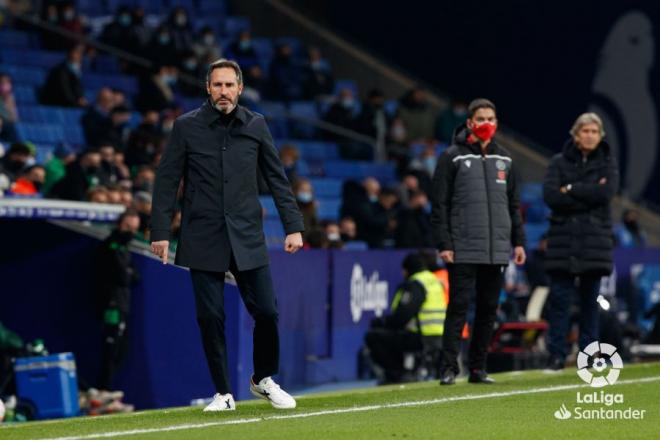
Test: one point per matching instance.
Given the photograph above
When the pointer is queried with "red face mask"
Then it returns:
(484, 131)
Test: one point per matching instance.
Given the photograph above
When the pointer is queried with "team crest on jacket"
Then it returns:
(467, 163)
(500, 165)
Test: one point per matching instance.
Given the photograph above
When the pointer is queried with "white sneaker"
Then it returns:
(221, 402)
(267, 389)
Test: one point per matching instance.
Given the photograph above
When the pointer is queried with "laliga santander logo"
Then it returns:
(599, 353)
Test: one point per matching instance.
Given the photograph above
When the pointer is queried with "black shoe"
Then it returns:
(448, 378)
(554, 365)
(480, 376)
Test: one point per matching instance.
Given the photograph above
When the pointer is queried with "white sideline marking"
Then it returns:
(346, 410)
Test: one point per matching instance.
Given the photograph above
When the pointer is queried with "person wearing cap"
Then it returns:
(217, 150)
(476, 222)
(416, 320)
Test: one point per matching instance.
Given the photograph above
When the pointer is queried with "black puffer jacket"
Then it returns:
(580, 236)
(475, 203)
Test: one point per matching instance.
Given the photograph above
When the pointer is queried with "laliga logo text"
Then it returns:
(599, 357)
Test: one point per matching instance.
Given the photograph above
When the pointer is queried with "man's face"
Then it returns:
(37, 175)
(482, 115)
(107, 153)
(588, 137)
(224, 89)
(130, 223)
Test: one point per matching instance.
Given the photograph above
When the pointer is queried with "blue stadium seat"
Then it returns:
(531, 192)
(356, 245)
(44, 153)
(328, 209)
(73, 134)
(316, 150)
(307, 110)
(418, 148)
(25, 95)
(235, 25)
(125, 83)
(17, 39)
(104, 63)
(391, 107)
(41, 114)
(35, 58)
(268, 204)
(537, 212)
(274, 232)
(71, 116)
(297, 48)
(347, 84)
(275, 113)
(327, 188)
(386, 173)
(31, 76)
(40, 133)
(208, 7)
(533, 232)
(265, 52)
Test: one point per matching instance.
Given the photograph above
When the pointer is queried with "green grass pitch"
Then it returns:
(519, 406)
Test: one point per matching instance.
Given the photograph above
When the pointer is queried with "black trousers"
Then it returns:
(386, 348)
(484, 281)
(113, 352)
(256, 287)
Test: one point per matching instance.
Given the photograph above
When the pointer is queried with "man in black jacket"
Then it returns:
(115, 278)
(579, 186)
(476, 221)
(217, 149)
(63, 85)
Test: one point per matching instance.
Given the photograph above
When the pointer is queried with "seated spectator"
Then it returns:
(535, 265)
(121, 32)
(156, 89)
(98, 194)
(319, 80)
(316, 238)
(108, 172)
(190, 66)
(63, 155)
(145, 140)
(63, 86)
(96, 122)
(289, 157)
(347, 229)
(242, 50)
(414, 223)
(408, 186)
(30, 181)
(286, 75)
(449, 119)
(142, 204)
(302, 189)
(373, 121)
(15, 160)
(181, 30)
(162, 49)
(417, 115)
(81, 175)
(144, 179)
(119, 116)
(126, 197)
(343, 113)
(333, 233)
(397, 143)
(375, 216)
(629, 234)
(206, 47)
(114, 194)
(255, 84)
(8, 110)
(50, 13)
(69, 20)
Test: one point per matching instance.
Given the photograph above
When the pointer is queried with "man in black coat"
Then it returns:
(476, 221)
(579, 186)
(217, 150)
(63, 85)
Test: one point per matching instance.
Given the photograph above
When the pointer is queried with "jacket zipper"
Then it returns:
(490, 214)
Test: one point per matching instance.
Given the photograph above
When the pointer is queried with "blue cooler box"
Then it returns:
(50, 383)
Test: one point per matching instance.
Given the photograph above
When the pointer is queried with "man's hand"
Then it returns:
(293, 242)
(160, 249)
(519, 256)
(447, 256)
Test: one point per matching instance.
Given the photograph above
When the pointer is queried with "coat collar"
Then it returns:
(210, 114)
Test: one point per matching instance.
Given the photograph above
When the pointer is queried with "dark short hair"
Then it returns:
(129, 212)
(478, 103)
(413, 263)
(223, 62)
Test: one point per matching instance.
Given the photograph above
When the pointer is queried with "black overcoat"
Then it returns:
(221, 213)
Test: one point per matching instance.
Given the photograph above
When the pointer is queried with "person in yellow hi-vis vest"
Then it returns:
(416, 318)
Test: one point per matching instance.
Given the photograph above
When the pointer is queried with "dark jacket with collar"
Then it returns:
(221, 212)
(475, 202)
(580, 238)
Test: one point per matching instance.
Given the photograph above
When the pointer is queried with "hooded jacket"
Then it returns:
(476, 210)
